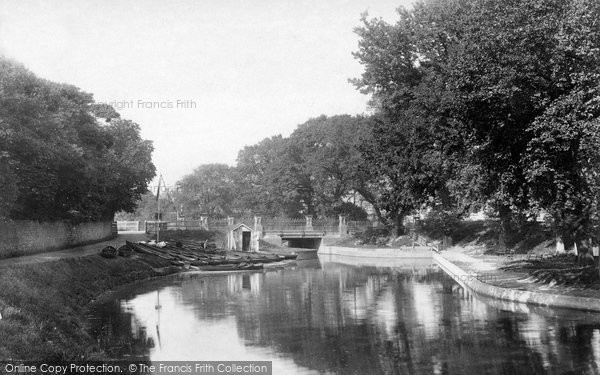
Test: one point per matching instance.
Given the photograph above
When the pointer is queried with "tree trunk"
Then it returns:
(369, 197)
(504, 213)
(400, 229)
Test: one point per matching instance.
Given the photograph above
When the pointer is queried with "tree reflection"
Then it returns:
(347, 319)
(119, 333)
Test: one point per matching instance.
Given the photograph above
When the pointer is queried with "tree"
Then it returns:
(104, 111)
(272, 179)
(146, 207)
(563, 154)
(409, 145)
(490, 85)
(58, 162)
(313, 172)
(8, 185)
(331, 156)
(208, 190)
(129, 159)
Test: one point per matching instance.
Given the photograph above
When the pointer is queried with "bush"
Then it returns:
(438, 224)
(373, 236)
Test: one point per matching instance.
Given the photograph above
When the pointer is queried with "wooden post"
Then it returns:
(230, 237)
(257, 234)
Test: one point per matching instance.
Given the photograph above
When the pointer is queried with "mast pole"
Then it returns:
(158, 210)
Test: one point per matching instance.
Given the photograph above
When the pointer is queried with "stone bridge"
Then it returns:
(302, 237)
(245, 234)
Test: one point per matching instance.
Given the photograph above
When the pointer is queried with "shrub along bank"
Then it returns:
(42, 304)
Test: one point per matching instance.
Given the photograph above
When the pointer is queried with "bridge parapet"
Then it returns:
(300, 234)
(267, 225)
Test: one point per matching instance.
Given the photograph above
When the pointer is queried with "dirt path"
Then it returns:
(75, 252)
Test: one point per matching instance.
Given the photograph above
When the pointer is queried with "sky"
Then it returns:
(202, 78)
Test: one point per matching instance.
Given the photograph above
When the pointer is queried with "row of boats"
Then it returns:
(192, 254)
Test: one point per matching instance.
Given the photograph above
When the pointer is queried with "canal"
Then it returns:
(329, 316)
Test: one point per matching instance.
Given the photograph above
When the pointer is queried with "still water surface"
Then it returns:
(329, 316)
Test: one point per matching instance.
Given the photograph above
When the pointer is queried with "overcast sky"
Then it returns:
(228, 73)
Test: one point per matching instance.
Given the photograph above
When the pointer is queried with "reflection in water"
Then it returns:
(337, 318)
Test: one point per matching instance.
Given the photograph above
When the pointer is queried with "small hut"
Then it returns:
(240, 238)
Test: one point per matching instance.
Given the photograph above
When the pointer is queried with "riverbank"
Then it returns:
(370, 252)
(43, 297)
(42, 303)
(482, 274)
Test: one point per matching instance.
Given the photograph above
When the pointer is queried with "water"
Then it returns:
(334, 317)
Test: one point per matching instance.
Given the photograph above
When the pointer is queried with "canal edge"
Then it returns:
(470, 281)
(394, 253)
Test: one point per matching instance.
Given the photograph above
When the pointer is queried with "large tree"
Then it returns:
(413, 140)
(313, 172)
(563, 155)
(58, 160)
(272, 179)
(500, 92)
(331, 156)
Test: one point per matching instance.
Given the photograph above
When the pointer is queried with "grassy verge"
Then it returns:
(558, 270)
(42, 304)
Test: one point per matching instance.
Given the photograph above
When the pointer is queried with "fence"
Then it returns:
(130, 226)
(328, 226)
(269, 225)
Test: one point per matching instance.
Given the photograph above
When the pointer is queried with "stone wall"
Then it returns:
(23, 237)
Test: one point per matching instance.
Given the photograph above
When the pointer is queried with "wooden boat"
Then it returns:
(108, 252)
(199, 263)
(256, 257)
(270, 257)
(232, 267)
(191, 253)
(125, 251)
(147, 249)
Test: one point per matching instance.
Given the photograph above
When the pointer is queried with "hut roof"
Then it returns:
(243, 226)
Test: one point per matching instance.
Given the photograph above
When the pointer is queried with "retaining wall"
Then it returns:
(470, 280)
(22, 237)
(404, 252)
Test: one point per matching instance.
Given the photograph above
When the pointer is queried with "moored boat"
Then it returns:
(108, 252)
(125, 251)
(232, 267)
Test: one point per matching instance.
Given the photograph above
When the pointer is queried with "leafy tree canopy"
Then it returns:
(208, 190)
(57, 161)
(487, 102)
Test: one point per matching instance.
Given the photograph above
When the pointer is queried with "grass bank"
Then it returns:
(42, 304)
(528, 237)
(533, 244)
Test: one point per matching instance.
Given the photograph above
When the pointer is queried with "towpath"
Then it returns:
(75, 252)
(486, 269)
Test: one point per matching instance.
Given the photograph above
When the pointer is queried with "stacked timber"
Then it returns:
(192, 253)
